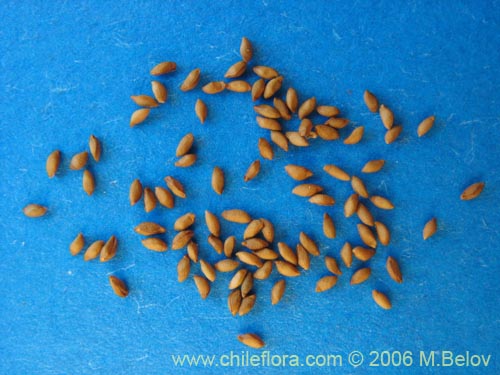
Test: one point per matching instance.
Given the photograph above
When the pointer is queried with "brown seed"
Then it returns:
(277, 291)
(148, 228)
(373, 166)
(273, 86)
(236, 70)
(185, 221)
(367, 235)
(118, 286)
(308, 244)
(95, 147)
(359, 187)
(52, 163)
(34, 210)
(249, 258)
(88, 182)
(93, 250)
(306, 190)
(234, 301)
(269, 124)
(238, 86)
(216, 243)
(268, 230)
(163, 68)
(164, 197)
(192, 251)
(246, 49)
(307, 107)
(159, 91)
(247, 284)
(265, 149)
(280, 140)
(263, 272)
(267, 111)
(355, 136)
(429, 228)
(108, 251)
(247, 304)
(183, 269)
(200, 109)
(332, 266)
(361, 275)
(214, 87)
(328, 226)
(186, 161)
(425, 126)
(258, 89)
(381, 299)
(326, 283)
(154, 244)
(203, 286)
(208, 270)
(383, 233)
(362, 253)
(303, 258)
(346, 254)
(393, 269)
(191, 80)
(238, 278)
(381, 202)
(236, 216)
(292, 100)
(351, 205)
(79, 161)
(77, 244)
(175, 186)
(218, 180)
(305, 127)
(472, 191)
(265, 72)
(322, 200)
(253, 228)
(337, 123)
(297, 172)
(282, 108)
(251, 340)
(327, 110)
(149, 200)
(365, 215)
(226, 265)
(144, 101)
(213, 224)
(266, 254)
(386, 116)
(326, 132)
(287, 253)
(336, 172)
(229, 245)
(184, 145)
(139, 116)
(370, 101)
(392, 134)
(135, 192)
(252, 171)
(255, 243)
(181, 239)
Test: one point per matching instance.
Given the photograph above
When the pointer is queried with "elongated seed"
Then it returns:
(203, 286)
(472, 191)
(383, 233)
(79, 161)
(273, 86)
(236, 70)
(164, 197)
(326, 132)
(336, 172)
(252, 171)
(266, 254)
(265, 149)
(425, 126)
(325, 283)
(247, 284)
(346, 254)
(88, 182)
(355, 136)
(108, 251)
(251, 340)
(392, 134)
(181, 239)
(238, 86)
(429, 228)
(255, 243)
(229, 245)
(184, 145)
(267, 111)
(175, 186)
(226, 265)
(258, 89)
(149, 200)
(303, 257)
(238, 278)
(218, 180)
(337, 123)
(305, 127)
(139, 116)
(185, 221)
(216, 243)
(365, 215)
(135, 192)
(192, 251)
(149, 228)
(277, 291)
(249, 258)
(191, 81)
(246, 49)
(370, 101)
(93, 250)
(367, 235)
(95, 147)
(265, 271)
(200, 109)
(309, 244)
(268, 230)
(282, 108)
(159, 91)
(77, 244)
(119, 287)
(214, 87)
(327, 110)
(52, 163)
(144, 101)
(280, 140)
(265, 72)
(253, 228)
(208, 270)
(332, 266)
(292, 100)
(34, 210)
(328, 226)
(361, 275)
(297, 172)
(373, 166)
(393, 269)
(247, 304)
(386, 116)
(234, 301)
(213, 224)
(236, 216)
(186, 161)
(359, 187)
(381, 299)
(307, 107)
(322, 200)
(163, 68)
(381, 202)
(306, 190)
(183, 269)
(268, 123)
(287, 253)
(351, 205)
(362, 253)
(154, 244)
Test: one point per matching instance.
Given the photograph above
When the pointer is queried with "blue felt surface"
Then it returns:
(67, 70)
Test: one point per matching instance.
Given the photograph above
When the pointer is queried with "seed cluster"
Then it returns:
(259, 251)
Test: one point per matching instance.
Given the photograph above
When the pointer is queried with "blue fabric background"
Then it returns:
(67, 70)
